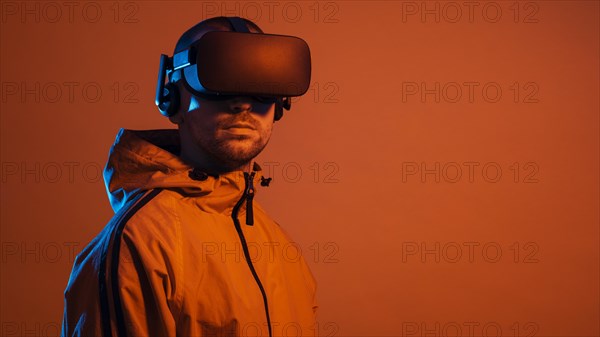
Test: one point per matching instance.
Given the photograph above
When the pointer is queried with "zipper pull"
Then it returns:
(249, 197)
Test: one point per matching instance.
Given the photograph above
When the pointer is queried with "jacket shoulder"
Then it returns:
(86, 299)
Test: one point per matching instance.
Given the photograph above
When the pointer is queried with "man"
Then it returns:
(189, 252)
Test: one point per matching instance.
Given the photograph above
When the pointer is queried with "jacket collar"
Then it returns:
(146, 159)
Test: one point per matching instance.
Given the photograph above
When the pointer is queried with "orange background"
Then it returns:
(354, 163)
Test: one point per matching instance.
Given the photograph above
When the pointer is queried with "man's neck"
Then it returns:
(201, 160)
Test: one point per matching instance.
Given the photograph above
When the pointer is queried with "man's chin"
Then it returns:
(239, 144)
(238, 152)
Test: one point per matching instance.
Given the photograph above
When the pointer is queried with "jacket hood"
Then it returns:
(140, 160)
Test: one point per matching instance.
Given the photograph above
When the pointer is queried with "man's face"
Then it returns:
(230, 132)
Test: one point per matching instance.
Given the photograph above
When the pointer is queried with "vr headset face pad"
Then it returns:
(248, 64)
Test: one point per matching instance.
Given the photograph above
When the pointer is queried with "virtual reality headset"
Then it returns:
(223, 64)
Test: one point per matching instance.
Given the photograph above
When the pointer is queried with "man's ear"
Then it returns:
(183, 97)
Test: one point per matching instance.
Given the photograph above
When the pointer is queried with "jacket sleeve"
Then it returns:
(82, 314)
(145, 303)
(141, 297)
(310, 279)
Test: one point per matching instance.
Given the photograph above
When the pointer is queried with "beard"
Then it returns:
(231, 154)
(234, 151)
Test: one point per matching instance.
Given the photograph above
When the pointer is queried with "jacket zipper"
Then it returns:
(248, 195)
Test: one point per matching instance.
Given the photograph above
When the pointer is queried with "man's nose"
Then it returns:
(240, 103)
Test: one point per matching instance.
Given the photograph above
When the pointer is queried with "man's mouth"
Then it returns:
(240, 126)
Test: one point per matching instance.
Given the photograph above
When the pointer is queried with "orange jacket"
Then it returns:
(186, 254)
